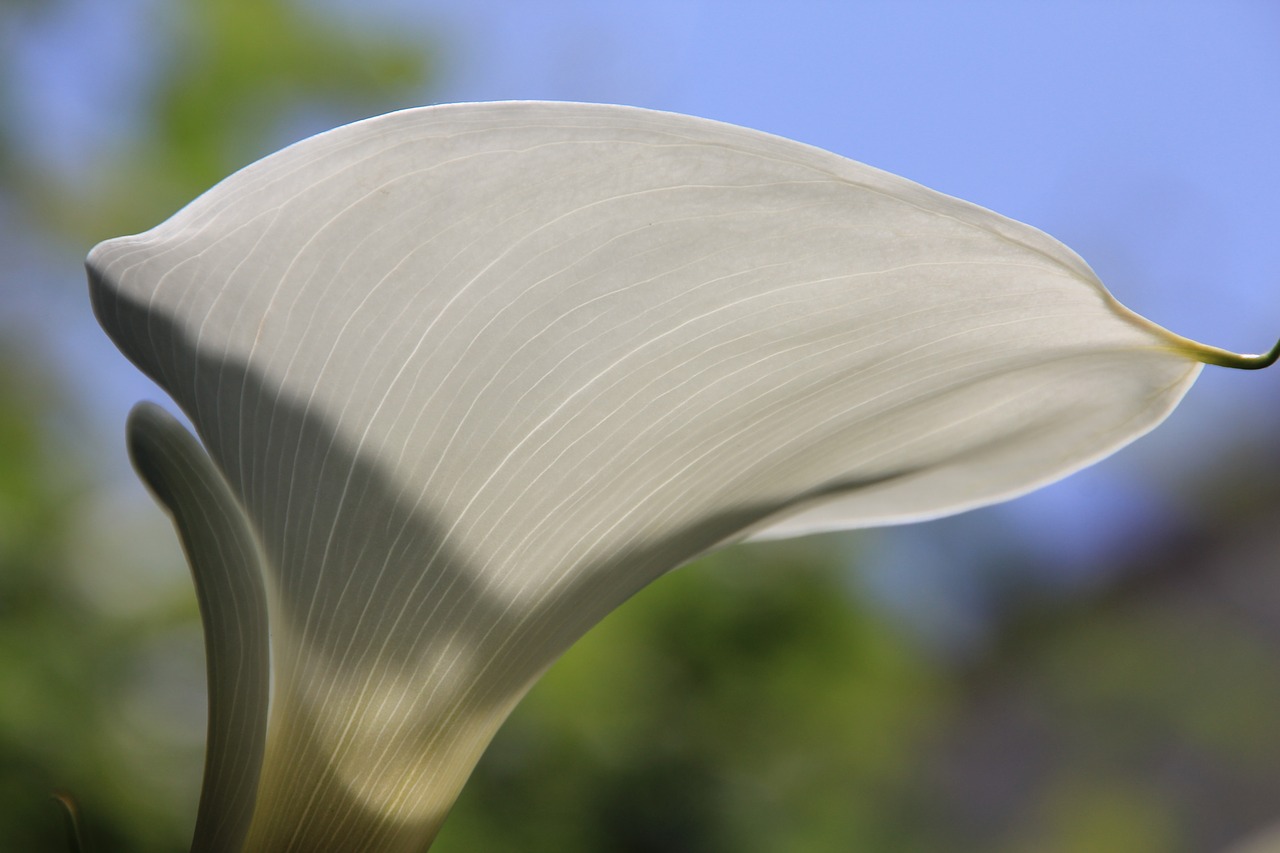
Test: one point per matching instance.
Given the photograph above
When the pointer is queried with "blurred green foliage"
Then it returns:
(752, 702)
(703, 716)
(65, 667)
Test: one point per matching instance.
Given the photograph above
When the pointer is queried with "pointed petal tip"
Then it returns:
(1238, 361)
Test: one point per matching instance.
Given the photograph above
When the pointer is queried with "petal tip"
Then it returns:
(1238, 361)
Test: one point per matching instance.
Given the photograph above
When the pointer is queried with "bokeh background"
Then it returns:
(1094, 668)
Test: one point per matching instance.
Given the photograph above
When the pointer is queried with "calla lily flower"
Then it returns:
(467, 377)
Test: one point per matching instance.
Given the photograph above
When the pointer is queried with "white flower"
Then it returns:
(469, 376)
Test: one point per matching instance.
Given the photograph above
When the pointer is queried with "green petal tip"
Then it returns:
(1223, 358)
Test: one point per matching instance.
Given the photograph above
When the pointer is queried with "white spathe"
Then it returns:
(474, 374)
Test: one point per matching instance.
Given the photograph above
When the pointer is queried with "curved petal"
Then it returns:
(226, 567)
(480, 372)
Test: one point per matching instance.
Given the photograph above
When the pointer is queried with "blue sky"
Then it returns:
(1142, 134)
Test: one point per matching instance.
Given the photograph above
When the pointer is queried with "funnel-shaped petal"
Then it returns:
(478, 373)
